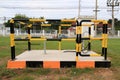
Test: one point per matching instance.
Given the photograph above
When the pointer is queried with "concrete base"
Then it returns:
(57, 59)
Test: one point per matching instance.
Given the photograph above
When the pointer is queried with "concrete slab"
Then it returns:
(57, 59)
(55, 55)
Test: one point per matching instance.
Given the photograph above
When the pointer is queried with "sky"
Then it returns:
(55, 9)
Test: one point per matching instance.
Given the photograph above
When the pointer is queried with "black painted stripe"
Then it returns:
(104, 29)
(78, 23)
(28, 30)
(85, 38)
(34, 64)
(11, 28)
(13, 52)
(89, 46)
(53, 20)
(78, 38)
(53, 39)
(29, 45)
(105, 53)
(77, 54)
(104, 64)
(25, 20)
(103, 50)
(84, 21)
(66, 64)
(89, 30)
(84, 55)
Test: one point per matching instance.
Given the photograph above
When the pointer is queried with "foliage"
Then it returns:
(55, 24)
(17, 16)
(117, 23)
(7, 24)
(20, 16)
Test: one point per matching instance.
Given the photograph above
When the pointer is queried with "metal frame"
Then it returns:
(78, 36)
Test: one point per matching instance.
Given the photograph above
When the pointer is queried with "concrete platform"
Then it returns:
(57, 59)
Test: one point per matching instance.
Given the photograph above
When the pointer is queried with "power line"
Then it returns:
(82, 7)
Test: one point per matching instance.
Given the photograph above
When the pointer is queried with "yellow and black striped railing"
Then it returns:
(12, 43)
(78, 39)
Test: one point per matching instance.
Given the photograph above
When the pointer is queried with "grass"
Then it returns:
(7, 73)
(77, 71)
(24, 78)
(114, 52)
(64, 78)
(59, 74)
(4, 47)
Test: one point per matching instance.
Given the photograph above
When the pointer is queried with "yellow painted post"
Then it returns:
(29, 37)
(59, 45)
(106, 40)
(103, 43)
(78, 41)
(59, 30)
(12, 42)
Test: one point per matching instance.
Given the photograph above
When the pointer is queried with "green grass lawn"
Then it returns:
(59, 74)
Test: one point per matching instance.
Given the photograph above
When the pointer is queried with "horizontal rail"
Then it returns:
(68, 25)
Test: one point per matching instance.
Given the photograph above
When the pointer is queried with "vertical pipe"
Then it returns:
(59, 43)
(78, 40)
(103, 41)
(12, 43)
(44, 46)
(29, 37)
(77, 47)
(59, 30)
(89, 44)
(105, 52)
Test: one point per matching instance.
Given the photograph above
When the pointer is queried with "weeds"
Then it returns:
(7, 73)
(64, 78)
(77, 71)
(25, 78)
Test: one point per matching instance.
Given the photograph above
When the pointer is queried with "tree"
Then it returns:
(17, 16)
(20, 16)
(117, 23)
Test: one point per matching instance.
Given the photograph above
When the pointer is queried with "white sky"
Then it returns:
(54, 8)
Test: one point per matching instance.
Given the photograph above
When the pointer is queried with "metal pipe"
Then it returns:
(12, 43)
